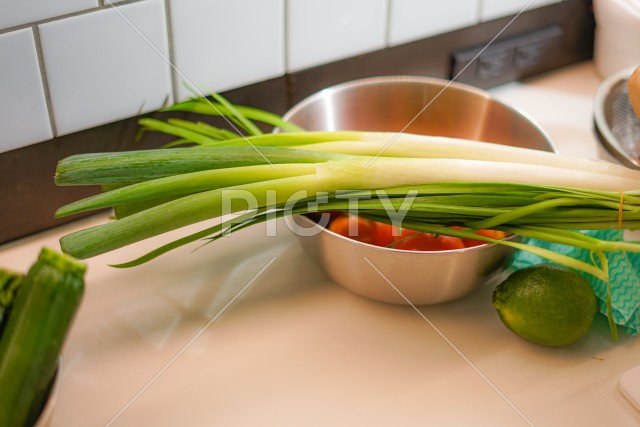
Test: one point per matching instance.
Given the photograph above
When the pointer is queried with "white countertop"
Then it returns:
(168, 343)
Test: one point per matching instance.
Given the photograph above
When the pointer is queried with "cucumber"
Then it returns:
(41, 315)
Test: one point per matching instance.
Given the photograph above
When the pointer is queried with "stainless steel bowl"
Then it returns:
(419, 105)
(396, 104)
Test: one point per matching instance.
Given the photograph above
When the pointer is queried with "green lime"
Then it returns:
(545, 304)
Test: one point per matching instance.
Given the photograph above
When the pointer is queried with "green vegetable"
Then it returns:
(454, 182)
(10, 281)
(35, 332)
(205, 106)
(143, 165)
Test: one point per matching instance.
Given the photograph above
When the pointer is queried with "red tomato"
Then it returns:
(492, 234)
(427, 242)
(405, 233)
(354, 227)
(449, 243)
(383, 234)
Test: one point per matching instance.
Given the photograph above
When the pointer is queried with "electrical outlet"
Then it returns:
(528, 54)
(494, 64)
(507, 60)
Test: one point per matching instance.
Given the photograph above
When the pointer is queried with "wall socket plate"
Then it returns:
(508, 59)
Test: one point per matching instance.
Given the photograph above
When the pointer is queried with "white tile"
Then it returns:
(412, 20)
(23, 111)
(107, 65)
(18, 12)
(324, 31)
(222, 44)
(493, 9)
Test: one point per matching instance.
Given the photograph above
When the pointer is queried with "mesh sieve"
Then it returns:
(617, 126)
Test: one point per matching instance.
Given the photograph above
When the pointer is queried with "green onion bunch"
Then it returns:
(425, 183)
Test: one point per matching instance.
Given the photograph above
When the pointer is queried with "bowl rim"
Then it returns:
(406, 78)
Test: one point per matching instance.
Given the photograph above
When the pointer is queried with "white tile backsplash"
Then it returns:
(493, 9)
(18, 12)
(106, 65)
(324, 31)
(412, 20)
(221, 44)
(23, 111)
(83, 63)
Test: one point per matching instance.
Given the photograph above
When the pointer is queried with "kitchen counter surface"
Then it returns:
(247, 332)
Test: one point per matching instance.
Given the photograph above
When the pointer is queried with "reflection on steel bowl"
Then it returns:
(422, 106)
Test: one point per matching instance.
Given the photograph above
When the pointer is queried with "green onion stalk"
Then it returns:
(425, 183)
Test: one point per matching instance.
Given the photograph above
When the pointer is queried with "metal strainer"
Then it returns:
(616, 124)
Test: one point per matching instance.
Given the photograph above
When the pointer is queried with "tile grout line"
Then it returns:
(479, 7)
(171, 49)
(45, 80)
(288, 78)
(387, 30)
(48, 20)
(101, 6)
(285, 34)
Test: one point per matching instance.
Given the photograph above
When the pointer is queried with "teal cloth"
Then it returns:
(624, 275)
